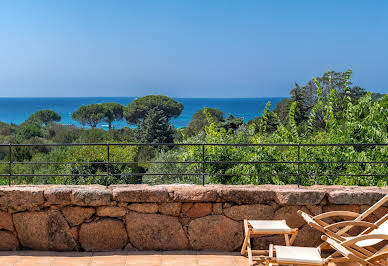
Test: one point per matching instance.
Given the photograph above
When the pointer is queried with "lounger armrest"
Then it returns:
(356, 239)
(352, 223)
(336, 213)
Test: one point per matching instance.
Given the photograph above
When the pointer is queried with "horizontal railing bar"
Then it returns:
(54, 175)
(198, 144)
(194, 174)
(199, 162)
(58, 162)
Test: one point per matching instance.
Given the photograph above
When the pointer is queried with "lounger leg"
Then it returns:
(287, 239)
(268, 261)
(250, 253)
(248, 242)
(246, 239)
(293, 236)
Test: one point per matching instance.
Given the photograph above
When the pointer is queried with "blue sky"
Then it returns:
(187, 48)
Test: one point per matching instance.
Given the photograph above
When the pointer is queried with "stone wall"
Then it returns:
(169, 217)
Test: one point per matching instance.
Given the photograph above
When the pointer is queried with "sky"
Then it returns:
(185, 48)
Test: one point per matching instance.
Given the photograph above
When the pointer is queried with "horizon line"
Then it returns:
(48, 97)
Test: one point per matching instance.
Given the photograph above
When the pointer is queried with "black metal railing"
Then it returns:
(203, 163)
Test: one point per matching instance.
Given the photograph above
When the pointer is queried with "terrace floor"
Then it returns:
(149, 258)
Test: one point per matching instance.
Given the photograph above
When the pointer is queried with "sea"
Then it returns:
(17, 110)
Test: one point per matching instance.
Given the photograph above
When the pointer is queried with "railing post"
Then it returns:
(203, 165)
(298, 165)
(108, 156)
(10, 164)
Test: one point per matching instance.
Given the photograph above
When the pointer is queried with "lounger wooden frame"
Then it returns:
(339, 235)
(344, 250)
(249, 232)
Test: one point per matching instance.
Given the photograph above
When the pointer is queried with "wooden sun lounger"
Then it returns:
(338, 231)
(312, 256)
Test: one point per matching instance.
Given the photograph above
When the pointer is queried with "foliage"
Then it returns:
(327, 110)
(93, 135)
(113, 112)
(345, 121)
(90, 115)
(27, 131)
(137, 110)
(198, 121)
(232, 123)
(155, 128)
(63, 134)
(44, 117)
(307, 97)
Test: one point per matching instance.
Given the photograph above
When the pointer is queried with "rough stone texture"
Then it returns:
(129, 247)
(144, 207)
(44, 231)
(21, 198)
(93, 196)
(172, 209)
(77, 215)
(74, 232)
(140, 193)
(254, 212)
(103, 235)
(155, 231)
(111, 211)
(217, 208)
(302, 196)
(380, 212)
(215, 232)
(262, 242)
(353, 195)
(58, 195)
(290, 214)
(34, 213)
(308, 237)
(196, 210)
(6, 221)
(315, 209)
(245, 194)
(192, 193)
(8, 241)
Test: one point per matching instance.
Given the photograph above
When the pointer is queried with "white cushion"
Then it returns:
(270, 225)
(302, 255)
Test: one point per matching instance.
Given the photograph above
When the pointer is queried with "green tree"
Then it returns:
(198, 121)
(113, 112)
(137, 110)
(155, 128)
(91, 115)
(306, 97)
(44, 117)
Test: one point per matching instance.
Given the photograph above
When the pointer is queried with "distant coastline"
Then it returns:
(17, 110)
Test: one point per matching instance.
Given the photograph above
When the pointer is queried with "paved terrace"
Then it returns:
(139, 258)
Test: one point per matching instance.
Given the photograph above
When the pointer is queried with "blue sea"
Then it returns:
(17, 110)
